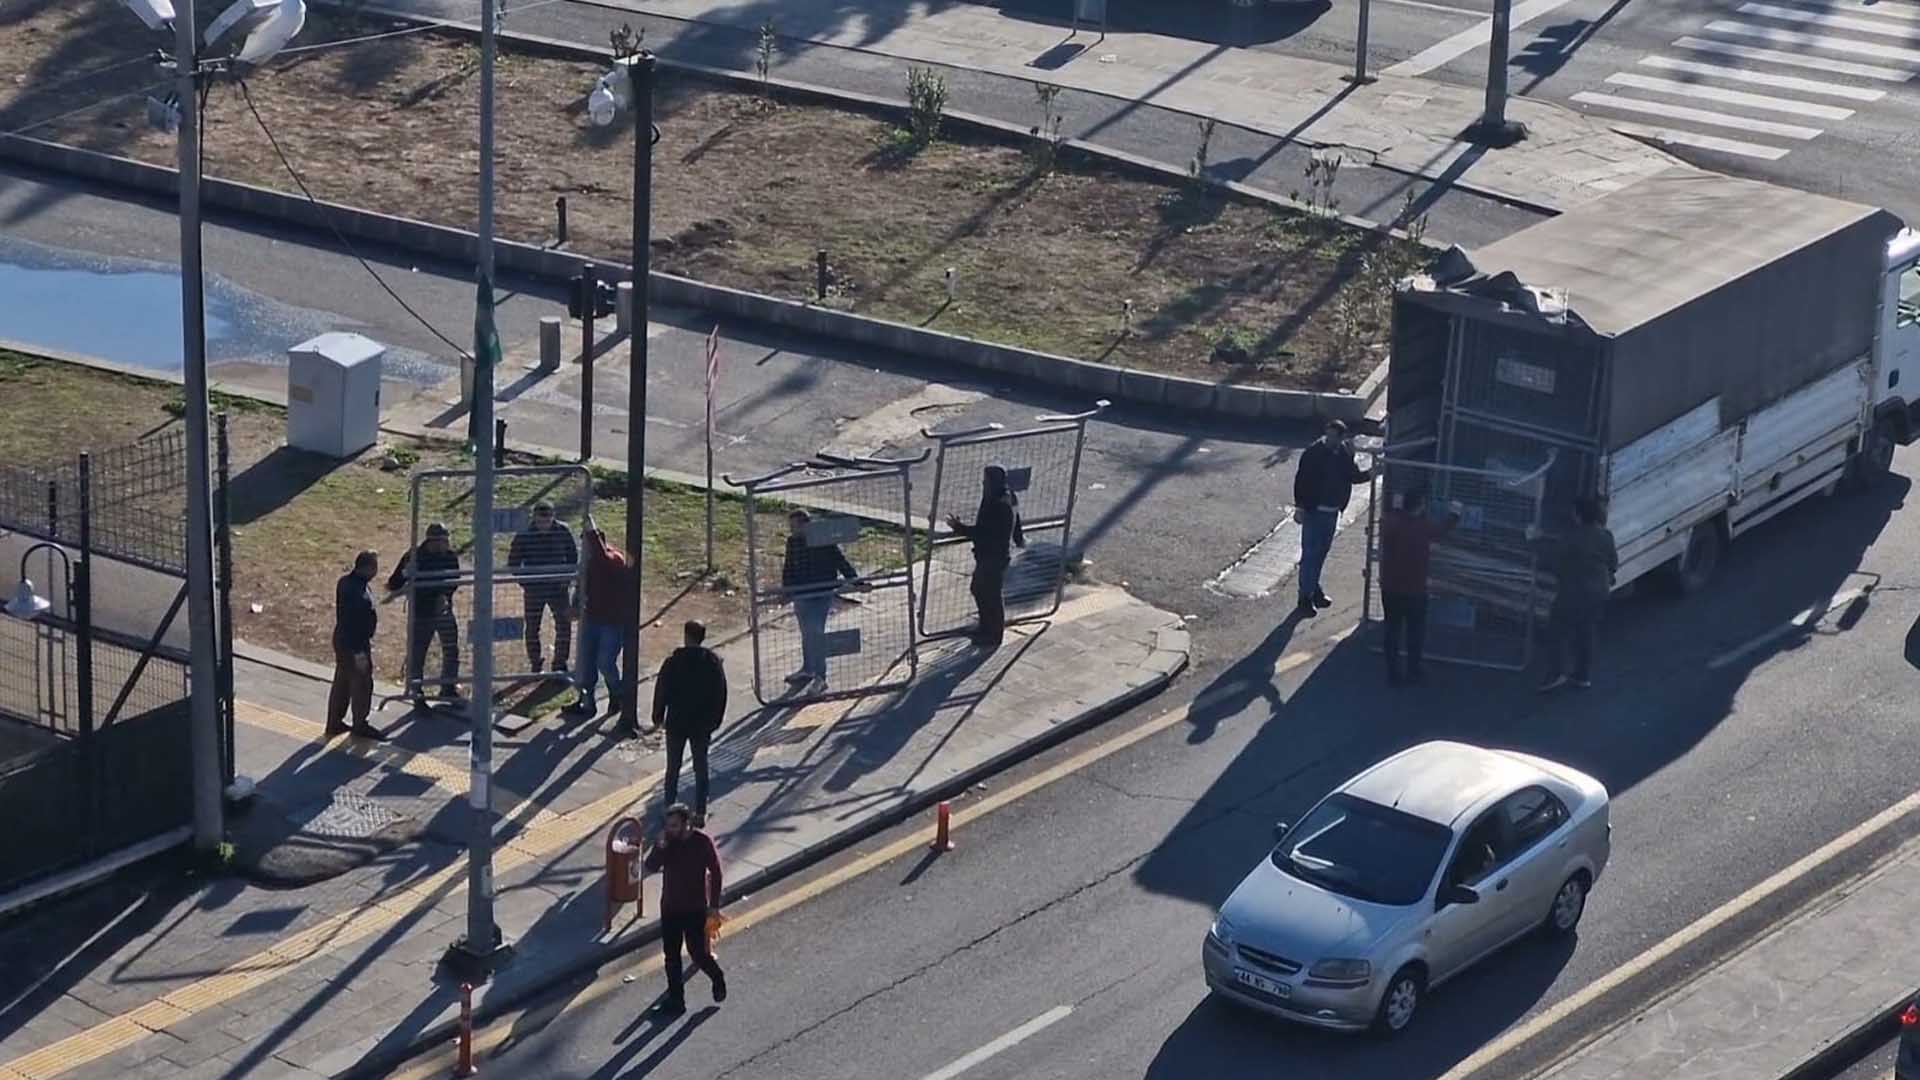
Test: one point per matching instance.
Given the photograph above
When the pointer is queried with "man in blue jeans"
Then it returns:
(1322, 485)
(811, 575)
(608, 611)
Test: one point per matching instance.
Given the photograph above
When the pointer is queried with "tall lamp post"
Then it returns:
(630, 85)
(1493, 127)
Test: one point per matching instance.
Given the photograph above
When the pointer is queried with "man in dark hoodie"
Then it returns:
(995, 532)
(355, 618)
(690, 701)
(1322, 485)
(434, 568)
(1584, 562)
(606, 604)
(810, 575)
(546, 546)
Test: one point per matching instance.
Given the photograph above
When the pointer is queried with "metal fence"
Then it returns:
(830, 552)
(1043, 471)
(138, 502)
(1484, 598)
(533, 581)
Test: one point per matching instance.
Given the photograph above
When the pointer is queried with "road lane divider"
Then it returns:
(1004, 1043)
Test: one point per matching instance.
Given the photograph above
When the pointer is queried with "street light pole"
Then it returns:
(483, 947)
(1360, 76)
(208, 828)
(640, 71)
(1494, 129)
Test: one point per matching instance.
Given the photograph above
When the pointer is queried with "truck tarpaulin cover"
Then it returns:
(1689, 285)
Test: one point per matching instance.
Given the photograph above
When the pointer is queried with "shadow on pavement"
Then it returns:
(1239, 25)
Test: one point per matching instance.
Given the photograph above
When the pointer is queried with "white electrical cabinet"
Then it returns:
(333, 394)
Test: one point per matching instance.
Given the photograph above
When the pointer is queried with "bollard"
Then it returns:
(951, 282)
(464, 1067)
(499, 442)
(820, 274)
(1126, 317)
(623, 307)
(560, 219)
(942, 828)
(549, 343)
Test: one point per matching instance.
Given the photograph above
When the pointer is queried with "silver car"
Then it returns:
(1402, 878)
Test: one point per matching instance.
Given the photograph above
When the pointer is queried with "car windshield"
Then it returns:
(1364, 850)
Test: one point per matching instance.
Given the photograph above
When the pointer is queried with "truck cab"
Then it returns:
(1897, 364)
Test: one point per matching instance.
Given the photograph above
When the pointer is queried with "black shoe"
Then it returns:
(1322, 601)
(719, 989)
(420, 702)
(1306, 610)
(670, 1007)
(699, 820)
(625, 731)
(336, 729)
(1581, 684)
(559, 666)
(1555, 683)
(368, 731)
(448, 693)
(578, 708)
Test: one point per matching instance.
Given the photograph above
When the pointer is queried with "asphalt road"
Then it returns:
(1066, 927)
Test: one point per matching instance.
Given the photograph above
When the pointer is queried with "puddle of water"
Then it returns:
(128, 312)
(130, 317)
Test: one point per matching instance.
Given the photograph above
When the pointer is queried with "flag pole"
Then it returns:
(713, 376)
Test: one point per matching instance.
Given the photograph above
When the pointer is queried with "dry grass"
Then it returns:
(745, 194)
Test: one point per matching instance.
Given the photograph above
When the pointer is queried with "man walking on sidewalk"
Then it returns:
(1584, 562)
(546, 546)
(1407, 534)
(1322, 485)
(355, 617)
(607, 607)
(810, 574)
(995, 532)
(689, 866)
(434, 568)
(690, 701)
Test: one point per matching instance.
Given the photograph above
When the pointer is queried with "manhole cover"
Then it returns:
(346, 816)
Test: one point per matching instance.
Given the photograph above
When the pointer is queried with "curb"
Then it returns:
(383, 1062)
(1173, 392)
(1839, 1052)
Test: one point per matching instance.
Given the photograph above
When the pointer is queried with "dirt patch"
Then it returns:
(299, 518)
(747, 192)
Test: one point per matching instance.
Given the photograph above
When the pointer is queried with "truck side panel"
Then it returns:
(1798, 440)
(1650, 515)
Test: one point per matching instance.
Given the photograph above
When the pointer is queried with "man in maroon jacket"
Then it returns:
(1406, 551)
(689, 893)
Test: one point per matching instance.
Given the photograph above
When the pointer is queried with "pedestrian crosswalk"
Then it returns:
(1769, 76)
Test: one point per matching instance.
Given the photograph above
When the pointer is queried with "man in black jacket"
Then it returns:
(811, 577)
(1322, 486)
(546, 546)
(355, 618)
(434, 568)
(690, 700)
(995, 532)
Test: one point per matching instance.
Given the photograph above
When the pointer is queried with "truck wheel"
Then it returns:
(1693, 568)
(1875, 459)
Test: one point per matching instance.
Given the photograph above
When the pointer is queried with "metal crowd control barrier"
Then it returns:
(1043, 471)
(1484, 598)
(542, 590)
(832, 615)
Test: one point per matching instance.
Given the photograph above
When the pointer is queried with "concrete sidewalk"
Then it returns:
(192, 979)
(1406, 124)
(1783, 1003)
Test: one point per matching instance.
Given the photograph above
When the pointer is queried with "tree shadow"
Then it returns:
(1218, 23)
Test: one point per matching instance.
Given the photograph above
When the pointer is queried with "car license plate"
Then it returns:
(1265, 986)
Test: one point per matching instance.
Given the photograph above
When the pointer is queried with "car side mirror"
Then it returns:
(1458, 894)
(1280, 831)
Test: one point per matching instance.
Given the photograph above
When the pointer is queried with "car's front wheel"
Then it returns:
(1569, 904)
(1401, 1001)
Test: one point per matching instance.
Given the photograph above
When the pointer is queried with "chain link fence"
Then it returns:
(537, 566)
(1043, 471)
(139, 502)
(830, 551)
(1483, 596)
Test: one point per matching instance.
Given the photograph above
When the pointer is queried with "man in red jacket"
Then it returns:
(1407, 534)
(689, 867)
(606, 602)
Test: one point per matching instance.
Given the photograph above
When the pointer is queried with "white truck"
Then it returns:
(1699, 352)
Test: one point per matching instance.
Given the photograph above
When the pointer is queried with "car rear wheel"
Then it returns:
(1401, 1001)
(1569, 904)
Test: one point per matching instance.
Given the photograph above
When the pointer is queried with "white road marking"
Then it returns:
(1424, 6)
(1704, 142)
(1801, 60)
(1831, 22)
(1892, 9)
(1728, 97)
(1464, 42)
(1005, 1042)
(1700, 116)
(1757, 78)
(1818, 41)
(1593, 991)
(1800, 622)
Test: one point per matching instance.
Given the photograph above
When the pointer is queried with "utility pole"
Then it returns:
(1494, 129)
(482, 948)
(202, 678)
(1360, 76)
(640, 69)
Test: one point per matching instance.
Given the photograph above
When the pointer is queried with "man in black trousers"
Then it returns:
(435, 567)
(690, 700)
(995, 532)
